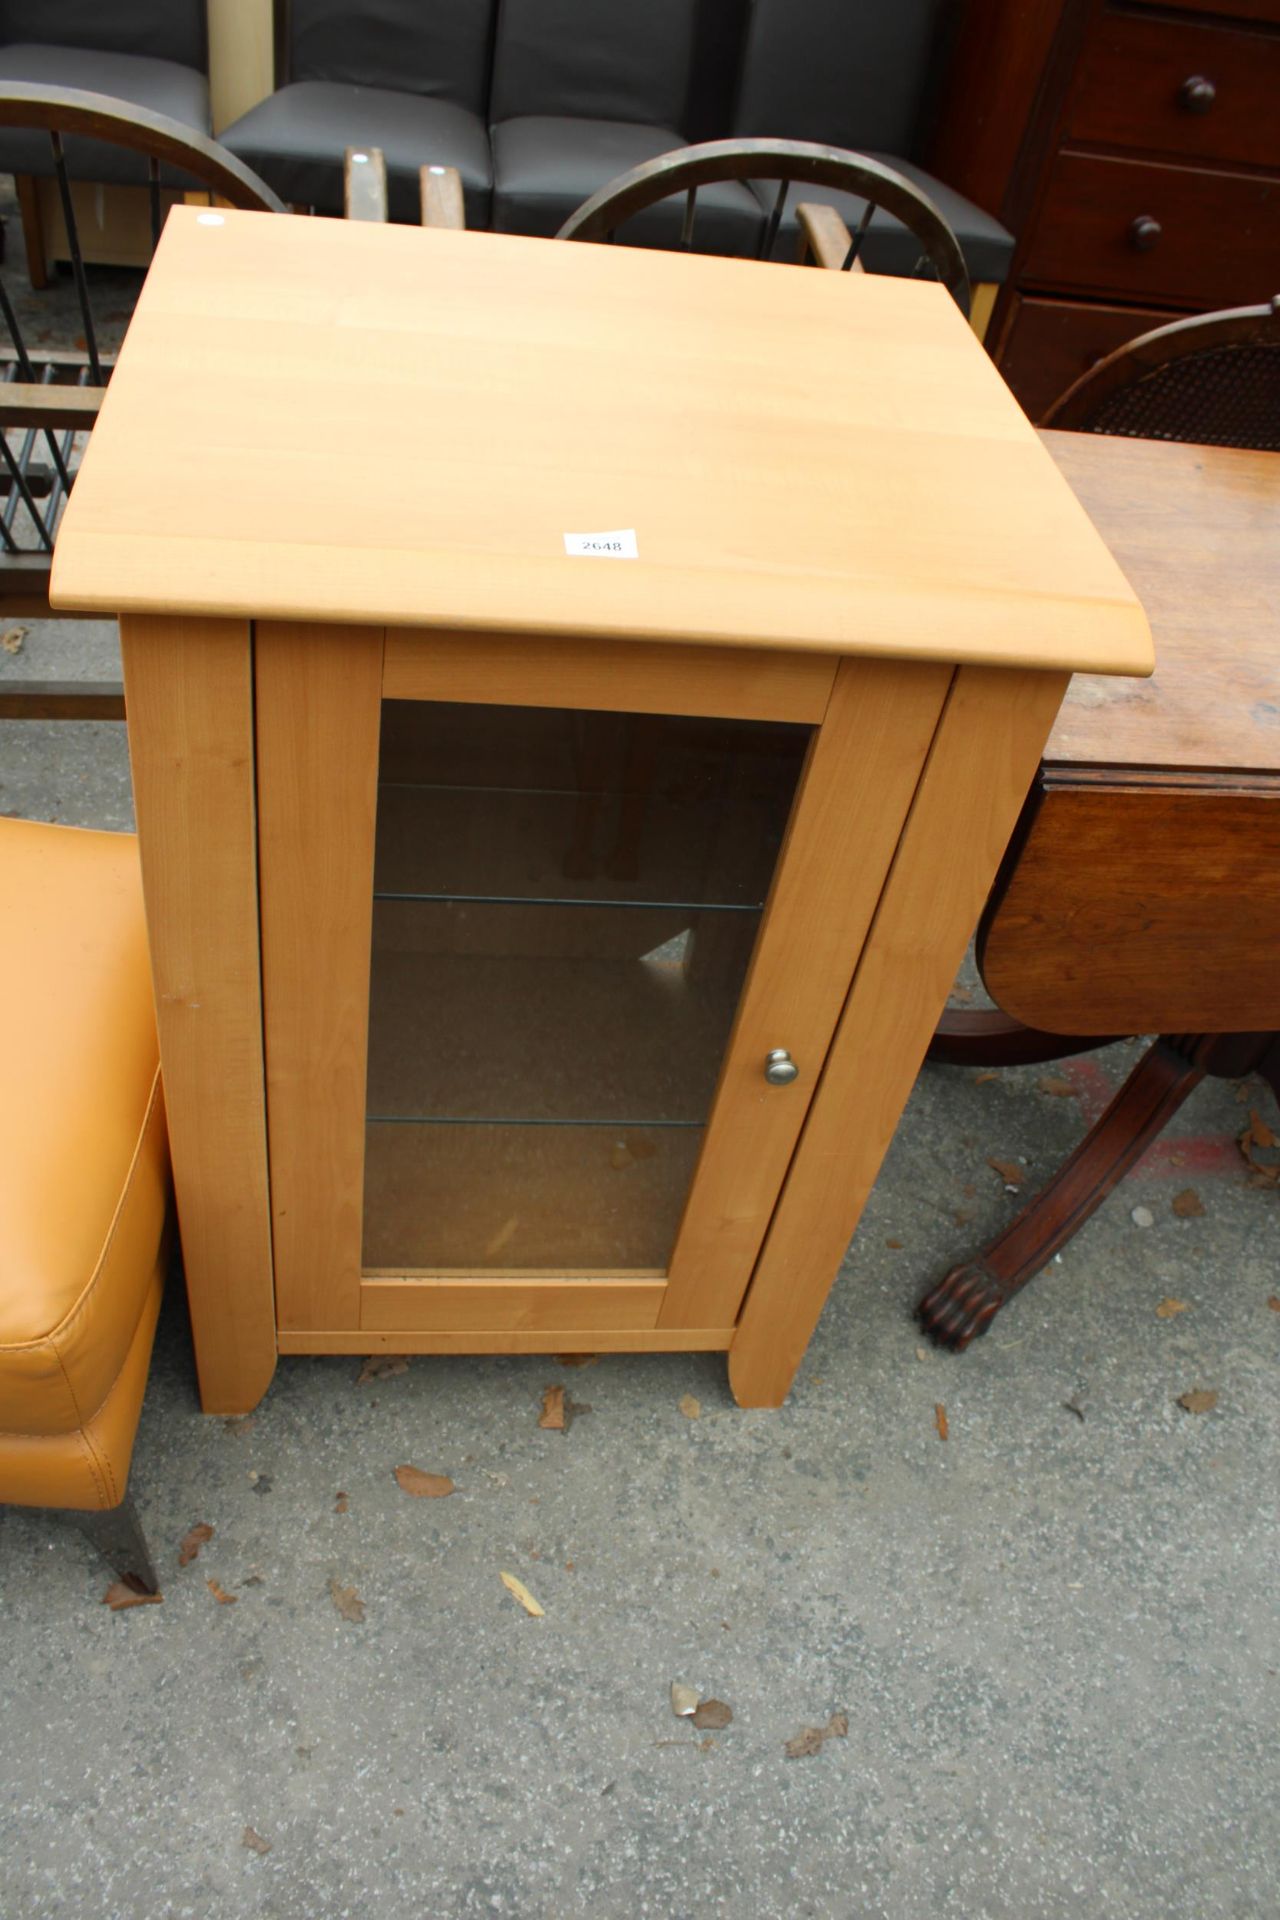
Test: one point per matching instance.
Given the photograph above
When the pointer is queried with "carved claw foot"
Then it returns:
(961, 1307)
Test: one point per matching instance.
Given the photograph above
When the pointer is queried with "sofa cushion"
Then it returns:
(161, 86)
(888, 246)
(544, 168)
(157, 29)
(84, 1172)
(296, 139)
(596, 60)
(440, 51)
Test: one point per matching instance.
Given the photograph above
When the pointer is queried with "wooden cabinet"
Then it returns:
(1134, 150)
(573, 736)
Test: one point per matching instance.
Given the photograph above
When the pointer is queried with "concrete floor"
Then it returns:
(1054, 1634)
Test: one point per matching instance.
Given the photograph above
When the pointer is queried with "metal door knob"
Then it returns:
(779, 1068)
(1144, 232)
(1197, 94)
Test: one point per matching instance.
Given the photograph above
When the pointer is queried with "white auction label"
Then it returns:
(619, 545)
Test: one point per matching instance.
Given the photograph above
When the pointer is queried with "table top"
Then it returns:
(333, 421)
(1197, 531)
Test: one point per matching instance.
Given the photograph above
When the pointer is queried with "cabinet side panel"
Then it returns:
(189, 690)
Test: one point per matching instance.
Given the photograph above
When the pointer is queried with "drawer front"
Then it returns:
(1157, 234)
(1050, 343)
(1199, 93)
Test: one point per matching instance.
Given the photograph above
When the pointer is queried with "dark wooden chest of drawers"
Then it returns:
(1134, 149)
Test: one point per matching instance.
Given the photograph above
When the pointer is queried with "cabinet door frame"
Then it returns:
(319, 697)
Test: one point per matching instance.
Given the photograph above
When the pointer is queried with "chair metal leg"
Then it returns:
(117, 1534)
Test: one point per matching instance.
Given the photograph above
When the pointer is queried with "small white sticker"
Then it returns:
(620, 545)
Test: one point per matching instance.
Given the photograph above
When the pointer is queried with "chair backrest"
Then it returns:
(1214, 380)
(46, 398)
(438, 48)
(160, 29)
(792, 164)
(594, 59)
(850, 72)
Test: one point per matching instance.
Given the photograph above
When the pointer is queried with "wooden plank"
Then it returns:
(61, 699)
(481, 1340)
(364, 184)
(855, 793)
(34, 404)
(510, 1307)
(983, 759)
(318, 709)
(1143, 909)
(776, 501)
(1195, 530)
(189, 687)
(524, 670)
(442, 199)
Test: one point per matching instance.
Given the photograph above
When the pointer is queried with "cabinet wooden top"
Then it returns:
(329, 421)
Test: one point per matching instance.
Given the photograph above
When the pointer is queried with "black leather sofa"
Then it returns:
(152, 53)
(538, 103)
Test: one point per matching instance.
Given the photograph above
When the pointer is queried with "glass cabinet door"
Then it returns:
(565, 903)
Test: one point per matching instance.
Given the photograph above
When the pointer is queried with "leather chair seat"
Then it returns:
(545, 166)
(84, 1172)
(160, 86)
(296, 139)
(888, 246)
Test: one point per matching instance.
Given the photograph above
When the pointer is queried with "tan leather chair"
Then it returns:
(84, 1177)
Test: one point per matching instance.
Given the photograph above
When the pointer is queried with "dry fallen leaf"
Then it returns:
(12, 638)
(552, 1415)
(348, 1602)
(192, 1541)
(684, 1700)
(984, 1079)
(1273, 1302)
(423, 1486)
(254, 1840)
(1010, 1172)
(1187, 1204)
(128, 1593)
(220, 1594)
(940, 1415)
(689, 1407)
(963, 996)
(576, 1359)
(381, 1366)
(895, 1244)
(1199, 1400)
(1258, 1134)
(1165, 1309)
(341, 1503)
(1053, 1083)
(712, 1715)
(812, 1738)
(518, 1590)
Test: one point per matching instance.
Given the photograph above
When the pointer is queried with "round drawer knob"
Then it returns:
(1197, 94)
(779, 1068)
(1145, 232)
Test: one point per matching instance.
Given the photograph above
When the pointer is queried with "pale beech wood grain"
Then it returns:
(520, 670)
(345, 421)
(854, 795)
(482, 1340)
(512, 1307)
(983, 759)
(319, 698)
(189, 687)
